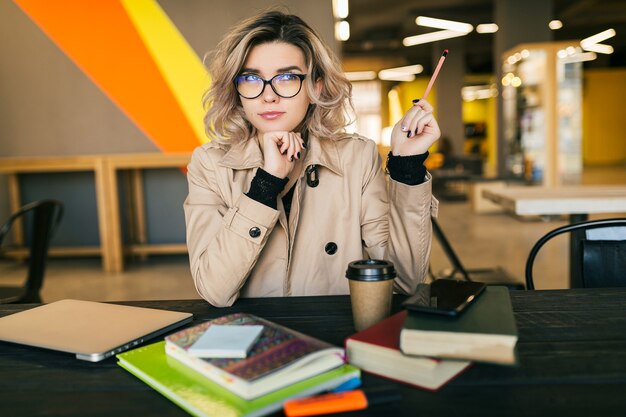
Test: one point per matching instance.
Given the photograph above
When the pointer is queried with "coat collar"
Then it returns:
(247, 154)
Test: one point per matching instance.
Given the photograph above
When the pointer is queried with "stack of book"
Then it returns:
(428, 350)
(282, 364)
(486, 332)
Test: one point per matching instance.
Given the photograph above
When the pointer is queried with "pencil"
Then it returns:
(432, 79)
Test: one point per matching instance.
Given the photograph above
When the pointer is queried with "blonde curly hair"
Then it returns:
(225, 121)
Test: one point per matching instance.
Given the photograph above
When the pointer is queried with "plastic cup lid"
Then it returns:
(370, 270)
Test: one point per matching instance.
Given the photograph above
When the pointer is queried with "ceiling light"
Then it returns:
(360, 75)
(599, 48)
(431, 37)
(340, 9)
(598, 37)
(444, 24)
(555, 24)
(406, 73)
(487, 28)
(342, 31)
(506, 80)
(512, 60)
(408, 69)
(395, 76)
(479, 92)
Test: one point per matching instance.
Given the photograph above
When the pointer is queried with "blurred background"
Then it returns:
(530, 93)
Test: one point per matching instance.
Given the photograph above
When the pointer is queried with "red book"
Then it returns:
(377, 350)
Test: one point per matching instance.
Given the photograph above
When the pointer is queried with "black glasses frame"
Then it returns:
(302, 77)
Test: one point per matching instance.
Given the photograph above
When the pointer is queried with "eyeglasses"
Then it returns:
(284, 85)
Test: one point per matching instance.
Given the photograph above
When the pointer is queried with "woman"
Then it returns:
(282, 199)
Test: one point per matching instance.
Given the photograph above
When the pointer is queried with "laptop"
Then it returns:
(92, 331)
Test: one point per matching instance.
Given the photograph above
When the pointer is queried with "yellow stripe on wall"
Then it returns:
(180, 66)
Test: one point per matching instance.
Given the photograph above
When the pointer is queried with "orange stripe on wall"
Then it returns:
(101, 40)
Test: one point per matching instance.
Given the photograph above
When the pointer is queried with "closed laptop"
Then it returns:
(91, 330)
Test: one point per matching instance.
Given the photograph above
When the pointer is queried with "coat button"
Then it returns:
(331, 248)
(255, 232)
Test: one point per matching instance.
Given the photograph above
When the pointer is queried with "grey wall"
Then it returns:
(449, 84)
(49, 107)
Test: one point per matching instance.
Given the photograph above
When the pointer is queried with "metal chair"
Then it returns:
(40, 219)
(490, 276)
(602, 262)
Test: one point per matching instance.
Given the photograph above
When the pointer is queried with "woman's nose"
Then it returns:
(269, 95)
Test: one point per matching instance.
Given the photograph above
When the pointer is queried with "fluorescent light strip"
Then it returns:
(444, 24)
(342, 30)
(555, 24)
(340, 9)
(360, 75)
(431, 37)
(598, 37)
(406, 70)
(599, 48)
(396, 77)
(487, 28)
(406, 73)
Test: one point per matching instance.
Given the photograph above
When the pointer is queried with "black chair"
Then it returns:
(601, 263)
(490, 276)
(40, 219)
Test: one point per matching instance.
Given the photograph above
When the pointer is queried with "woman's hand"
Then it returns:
(280, 150)
(416, 131)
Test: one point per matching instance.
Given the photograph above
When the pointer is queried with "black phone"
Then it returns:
(444, 296)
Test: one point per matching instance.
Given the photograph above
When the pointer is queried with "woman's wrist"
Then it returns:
(408, 170)
(266, 187)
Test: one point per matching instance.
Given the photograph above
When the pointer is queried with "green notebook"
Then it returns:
(485, 332)
(200, 396)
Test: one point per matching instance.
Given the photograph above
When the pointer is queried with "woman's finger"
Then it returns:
(419, 108)
(300, 141)
(422, 122)
(414, 123)
(297, 140)
(425, 105)
(284, 143)
(292, 140)
(429, 126)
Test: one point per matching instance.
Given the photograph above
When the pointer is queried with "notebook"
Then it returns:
(91, 330)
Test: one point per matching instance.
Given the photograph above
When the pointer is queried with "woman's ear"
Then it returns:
(319, 84)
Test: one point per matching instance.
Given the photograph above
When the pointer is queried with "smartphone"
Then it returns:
(444, 296)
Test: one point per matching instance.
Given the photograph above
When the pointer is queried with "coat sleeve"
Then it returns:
(396, 225)
(224, 241)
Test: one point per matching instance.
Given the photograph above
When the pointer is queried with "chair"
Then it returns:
(490, 276)
(40, 221)
(601, 263)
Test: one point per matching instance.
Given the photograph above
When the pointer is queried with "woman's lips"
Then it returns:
(271, 115)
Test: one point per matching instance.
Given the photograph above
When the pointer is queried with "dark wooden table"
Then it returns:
(572, 350)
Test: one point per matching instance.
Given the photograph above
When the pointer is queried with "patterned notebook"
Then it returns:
(281, 356)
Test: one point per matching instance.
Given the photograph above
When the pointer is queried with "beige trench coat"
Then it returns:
(240, 247)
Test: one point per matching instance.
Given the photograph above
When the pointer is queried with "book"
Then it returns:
(225, 341)
(200, 396)
(377, 350)
(279, 358)
(485, 332)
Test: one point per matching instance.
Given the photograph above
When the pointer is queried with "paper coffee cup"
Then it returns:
(371, 287)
